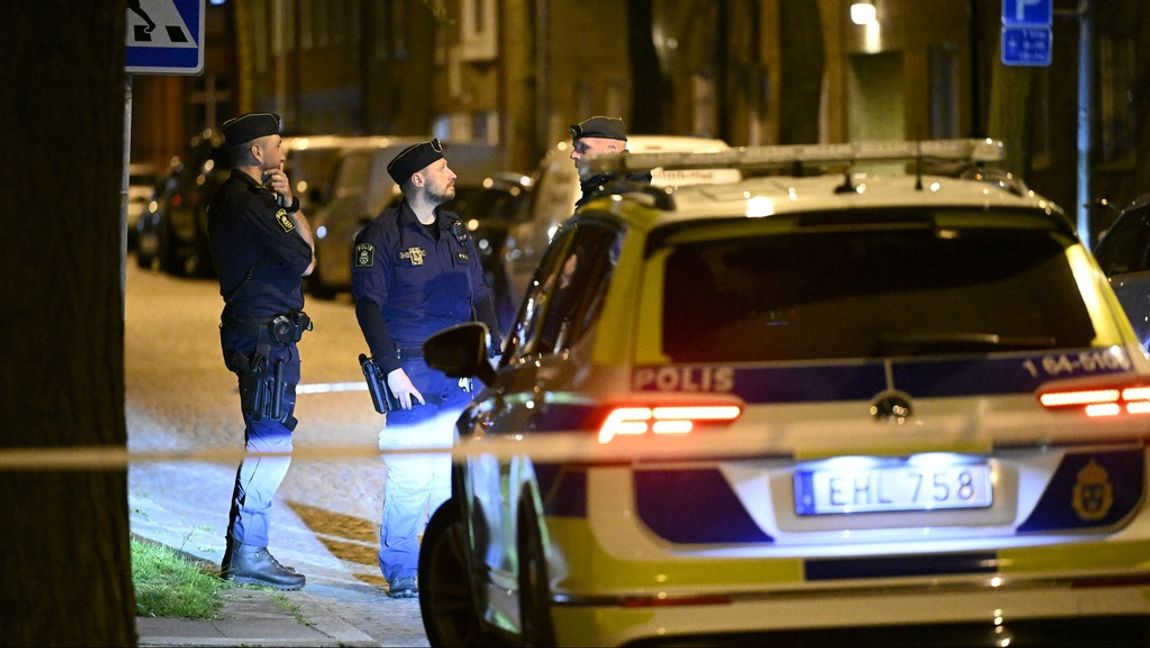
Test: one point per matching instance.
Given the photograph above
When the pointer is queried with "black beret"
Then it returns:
(246, 128)
(412, 159)
(605, 127)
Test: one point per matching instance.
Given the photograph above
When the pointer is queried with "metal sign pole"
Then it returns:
(124, 182)
(1085, 115)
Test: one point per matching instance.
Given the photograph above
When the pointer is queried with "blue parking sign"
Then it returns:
(1030, 13)
(165, 37)
(1026, 46)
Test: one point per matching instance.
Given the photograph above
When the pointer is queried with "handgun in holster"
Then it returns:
(261, 388)
(381, 396)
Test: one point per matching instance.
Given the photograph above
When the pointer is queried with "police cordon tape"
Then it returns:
(575, 446)
(554, 447)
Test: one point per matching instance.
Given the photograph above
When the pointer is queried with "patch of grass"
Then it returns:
(291, 608)
(168, 584)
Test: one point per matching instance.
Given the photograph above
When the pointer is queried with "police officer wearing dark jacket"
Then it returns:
(263, 247)
(594, 136)
(415, 271)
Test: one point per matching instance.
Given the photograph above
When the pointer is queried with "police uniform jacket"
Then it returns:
(596, 185)
(419, 284)
(260, 257)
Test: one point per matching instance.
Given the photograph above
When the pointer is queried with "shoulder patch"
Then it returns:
(364, 255)
(284, 220)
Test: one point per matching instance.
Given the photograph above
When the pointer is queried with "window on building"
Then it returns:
(321, 17)
(355, 16)
(276, 36)
(1040, 142)
(485, 126)
(338, 23)
(399, 30)
(1116, 111)
(260, 28)
(306, 33)
(289, 23)
(943, 91)
(381, 20)
(478, 30)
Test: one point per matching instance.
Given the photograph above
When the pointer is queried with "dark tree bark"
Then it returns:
(64, 550)
(801, 76)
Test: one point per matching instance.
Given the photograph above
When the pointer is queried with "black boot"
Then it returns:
(252, 565)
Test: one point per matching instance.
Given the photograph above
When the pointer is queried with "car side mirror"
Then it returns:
(461, 352)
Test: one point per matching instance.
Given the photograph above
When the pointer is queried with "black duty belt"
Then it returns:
(280, 329)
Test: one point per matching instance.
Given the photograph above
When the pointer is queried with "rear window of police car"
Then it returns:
(908, 286)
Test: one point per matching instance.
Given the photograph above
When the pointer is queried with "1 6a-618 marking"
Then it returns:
(1087, 361)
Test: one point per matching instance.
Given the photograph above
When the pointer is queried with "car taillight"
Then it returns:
(664, 419)
(1099, 401)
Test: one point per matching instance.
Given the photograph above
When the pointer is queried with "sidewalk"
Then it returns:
(344, 602)
(257, 617)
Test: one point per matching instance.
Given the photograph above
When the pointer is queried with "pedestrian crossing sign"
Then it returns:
(165, 37)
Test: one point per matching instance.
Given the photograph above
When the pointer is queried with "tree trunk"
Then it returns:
(64, 550)
(801, 76)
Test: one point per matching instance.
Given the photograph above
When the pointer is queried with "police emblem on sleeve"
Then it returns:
(414, 255)
(284, 220)
(1093, 494)
(364, 255)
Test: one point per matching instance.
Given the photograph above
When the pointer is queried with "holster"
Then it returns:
(381, 397)
(261, 387)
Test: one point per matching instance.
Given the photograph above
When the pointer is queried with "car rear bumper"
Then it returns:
(965, 614)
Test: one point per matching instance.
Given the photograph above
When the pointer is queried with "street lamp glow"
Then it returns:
(863, 13)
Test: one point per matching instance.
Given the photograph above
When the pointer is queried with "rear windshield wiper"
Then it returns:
(955, 341)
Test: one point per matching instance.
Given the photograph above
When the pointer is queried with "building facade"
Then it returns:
(515, 73)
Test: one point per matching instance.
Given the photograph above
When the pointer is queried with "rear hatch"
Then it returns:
(891, 363)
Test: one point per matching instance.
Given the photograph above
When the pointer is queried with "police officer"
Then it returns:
(593, 136)
(415, 271)
(263, 247)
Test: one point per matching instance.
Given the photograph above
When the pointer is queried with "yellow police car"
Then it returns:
(811, 407)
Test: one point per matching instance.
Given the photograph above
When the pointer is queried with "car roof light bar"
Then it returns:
(750, 157)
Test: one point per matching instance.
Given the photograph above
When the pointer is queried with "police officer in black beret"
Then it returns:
(416, 271)
(263, 247)
(593, 136)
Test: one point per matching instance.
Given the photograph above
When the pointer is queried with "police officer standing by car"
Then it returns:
(263, 247)
(593, 136)
(416, 271)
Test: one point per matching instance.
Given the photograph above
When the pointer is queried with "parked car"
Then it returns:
(837, 409)
(490, 209)
(1123, 252)
(142, 181)
(361, 190)
(556, 188)
(176, 229)
(312, 161)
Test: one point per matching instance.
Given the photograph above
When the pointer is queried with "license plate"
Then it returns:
(892, 488)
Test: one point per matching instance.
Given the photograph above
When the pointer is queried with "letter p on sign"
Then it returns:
(1030, 13)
